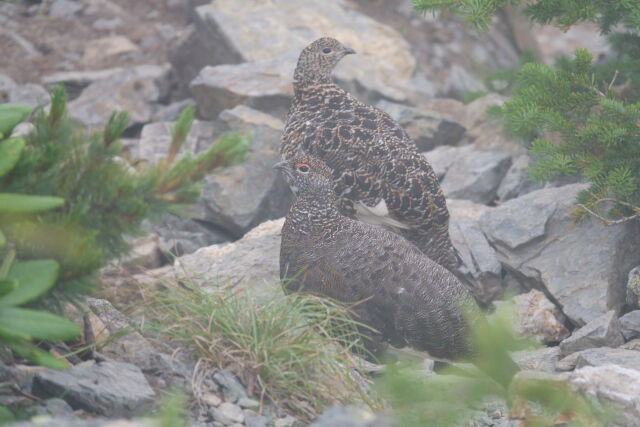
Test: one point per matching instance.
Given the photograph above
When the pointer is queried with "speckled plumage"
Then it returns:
(371, 157)
(408, 298)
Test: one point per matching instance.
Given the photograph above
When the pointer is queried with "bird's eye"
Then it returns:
(303, 167)
(326, 50)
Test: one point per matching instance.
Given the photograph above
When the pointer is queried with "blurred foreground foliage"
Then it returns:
(105, 196)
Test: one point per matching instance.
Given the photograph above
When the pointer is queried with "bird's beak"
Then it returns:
(349, 51)
(280, 166)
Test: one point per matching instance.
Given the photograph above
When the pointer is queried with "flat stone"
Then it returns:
(603, 331)
(543, 359)
(113, 389)
(135, 90)
(348, 416)
(98, 49)
(629, 359)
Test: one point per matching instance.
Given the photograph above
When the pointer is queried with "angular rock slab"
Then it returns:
(476, 176)
(263, 85)
(250, 264)
(242, 196)
(614, 385)
(630, 325)
(113, 389)
(629, 359)
(603, 331)
(581, 265)
(136, 90)
(543, 359)
(255, 30)
(443, 157)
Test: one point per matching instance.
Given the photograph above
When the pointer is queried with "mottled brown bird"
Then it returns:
(406, 297)
(377, 172)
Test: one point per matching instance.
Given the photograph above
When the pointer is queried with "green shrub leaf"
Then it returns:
(8, 285)
(34, 277)
(11, 115)
(10, 151)
(3, 240)
(5, 415)
(35, 355)
(37, 324)
(22, 203)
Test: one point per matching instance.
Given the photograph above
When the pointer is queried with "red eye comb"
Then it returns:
(299, 165)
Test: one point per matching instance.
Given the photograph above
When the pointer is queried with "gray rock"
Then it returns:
(180, 236)
(252, 419)
(428, 129)
(64, 8)
(443, 157)
(543, 359)
(612, 385)
(240, 197)
(567, 363)
(155, 140)
(603, 331)
(633, 288)
(539, 318)
(247, 264)
(581, 265)
(247, 403)
(232, 389)
(170, 113)
(51, 407)
(75, 81)
(227, 32)
(136, 90)
(108, 388)
(480, 265)
(476, 175)
(630, 325)
(349, 416)
(629, 359)
(516, 181)
(264, 85)
(227, 413)
(29, 94)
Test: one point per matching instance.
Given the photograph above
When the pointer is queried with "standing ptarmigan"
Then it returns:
(377, 172)
(405, 296)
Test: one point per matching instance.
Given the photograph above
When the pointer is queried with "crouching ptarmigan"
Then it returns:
(405, 296)
(377, 172)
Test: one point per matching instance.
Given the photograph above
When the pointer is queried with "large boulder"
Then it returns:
(443, 157)
(229, 32)
(250, 264)
(240, 197)
(581, 265)
(516, 181)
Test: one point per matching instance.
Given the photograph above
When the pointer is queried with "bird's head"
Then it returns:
(317, 61)
(307, 175)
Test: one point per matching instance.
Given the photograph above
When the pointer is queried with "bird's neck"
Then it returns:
(316, 215)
